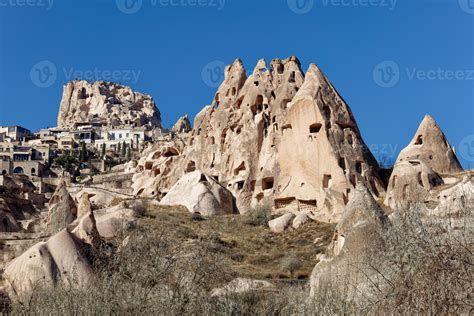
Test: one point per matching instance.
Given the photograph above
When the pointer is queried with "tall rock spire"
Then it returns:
(431, 146)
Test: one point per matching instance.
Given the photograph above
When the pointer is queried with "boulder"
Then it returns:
(85, 224)
(60, 259)
(280, 224)
(300, 220)
(200, 193)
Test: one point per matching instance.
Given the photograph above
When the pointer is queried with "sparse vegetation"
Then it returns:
(259, 216)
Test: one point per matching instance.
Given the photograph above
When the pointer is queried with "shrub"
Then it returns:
(291, 263)
(259, 216)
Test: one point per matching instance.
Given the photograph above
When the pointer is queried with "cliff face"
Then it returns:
(108, 103)
(277, 136)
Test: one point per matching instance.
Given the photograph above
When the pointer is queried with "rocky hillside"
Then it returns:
(108, 103)
(278, 136)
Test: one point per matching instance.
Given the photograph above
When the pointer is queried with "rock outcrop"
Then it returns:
(275, 137)
(183, 125)
(200, 194)
(60, 259)
(421, 165)
(358, 234)
(107, 103)
(431, 146)
(62, 209)
(280, 224)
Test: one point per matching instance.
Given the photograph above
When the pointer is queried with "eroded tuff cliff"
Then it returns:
(108, 103)
(277, 136)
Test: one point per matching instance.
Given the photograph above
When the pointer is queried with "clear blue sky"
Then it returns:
(168, 43)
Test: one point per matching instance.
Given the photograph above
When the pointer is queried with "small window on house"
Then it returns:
(267, 183)
(315, 128)
(234, 91)
(213, 140)
(240, 185)
(350, 139)
(359, 167)
(156, 172)
(256, 83)
(394, 181)
(203, 178)
(419, 140)
(327, 181)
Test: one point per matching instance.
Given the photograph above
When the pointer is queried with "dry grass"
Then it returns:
(254, 251)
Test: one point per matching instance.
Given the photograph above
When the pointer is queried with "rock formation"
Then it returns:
(182, 125)
(60, 259)
(108, 103)
(200, 194)
(431, 146)
(62, 209)
(275, 137)
(358, 234)
(421, 165)
(411, 181)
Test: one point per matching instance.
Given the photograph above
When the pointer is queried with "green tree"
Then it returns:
(124, 149)
(119, 147)
(103, 151)
(128, 156)
(83, 153)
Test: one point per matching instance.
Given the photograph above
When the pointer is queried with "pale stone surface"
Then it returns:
(280, 224)
(276, 137)
(60, 259)
(359, 231)
(86, 228)
(431, 146)
(242, 285)
(183, 125)
(411, 181)
(108, 103)
(421, 166)
(300, 220)
(200, 193)
(62, 209)
(457, 199)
